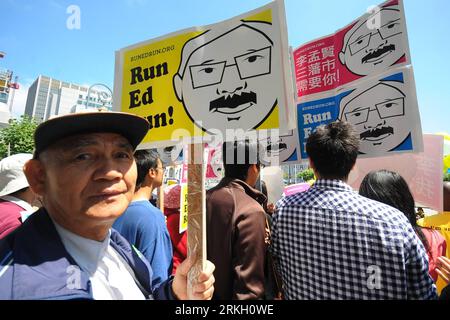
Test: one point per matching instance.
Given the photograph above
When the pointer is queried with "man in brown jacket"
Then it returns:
(236, 226)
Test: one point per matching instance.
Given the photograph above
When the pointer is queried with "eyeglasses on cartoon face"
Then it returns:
(252, 64)
(386, 31)
(385, 109)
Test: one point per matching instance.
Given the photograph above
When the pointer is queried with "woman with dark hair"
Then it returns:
(390, 188)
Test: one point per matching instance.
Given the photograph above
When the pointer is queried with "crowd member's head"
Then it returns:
(149, 168)
(83, 168)
(332, 150)
(241, 161)
(390, 188)
(12, 178)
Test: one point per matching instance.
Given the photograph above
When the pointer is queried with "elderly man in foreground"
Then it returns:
(83, 169)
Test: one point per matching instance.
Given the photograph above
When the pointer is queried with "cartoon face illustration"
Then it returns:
(281, 147)
(374, 43)
(170, 154)
(226, 80)
(378, 116)
(217, 162)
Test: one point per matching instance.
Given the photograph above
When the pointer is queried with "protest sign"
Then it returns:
(279, 149)
(382, 109)
(230, 75)
(370, 44)
(362, 74)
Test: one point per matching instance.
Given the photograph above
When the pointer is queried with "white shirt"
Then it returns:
(110, 275)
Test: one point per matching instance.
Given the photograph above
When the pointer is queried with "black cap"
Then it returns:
(132, 127)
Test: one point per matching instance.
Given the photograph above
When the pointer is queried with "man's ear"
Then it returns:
(178, 86)
(255, 169)
(35, 172)
(152, 173)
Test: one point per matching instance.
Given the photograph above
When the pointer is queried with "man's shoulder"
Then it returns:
(344, 201)
(142, 214)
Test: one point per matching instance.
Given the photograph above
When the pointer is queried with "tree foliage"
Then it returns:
(306, 175)
(18, 135)
(447, 176)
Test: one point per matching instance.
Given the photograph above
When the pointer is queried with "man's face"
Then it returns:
(281, 147)
(159, 174)
(216, 162)
(378, 116)
(372, 48)
(169, 155)
(89, 179)
(230, 86)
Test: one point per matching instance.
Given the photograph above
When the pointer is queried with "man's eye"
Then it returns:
(357, 114)
(359, 42)
(123, 155)
(390, 26)
(207, 70)
(83, 156)
(254, 58)
(388, 105)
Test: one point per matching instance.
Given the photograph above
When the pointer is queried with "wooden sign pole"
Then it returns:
(196, 212)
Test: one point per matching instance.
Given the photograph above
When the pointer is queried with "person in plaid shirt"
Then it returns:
(331, 243)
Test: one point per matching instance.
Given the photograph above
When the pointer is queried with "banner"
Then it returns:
(230, 75)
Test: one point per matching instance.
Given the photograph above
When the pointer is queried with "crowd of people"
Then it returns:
(76, 222)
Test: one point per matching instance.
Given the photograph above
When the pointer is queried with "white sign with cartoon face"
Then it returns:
(375, 42)
(382, 109)
(171, 155)
(282, 149)
(384, 113)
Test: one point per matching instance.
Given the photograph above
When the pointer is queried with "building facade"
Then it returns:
(48, 97)
(5, 90)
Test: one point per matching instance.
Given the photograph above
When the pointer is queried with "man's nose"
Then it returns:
(231, 82)
(374, 119)
(108, 169)
(376, 41)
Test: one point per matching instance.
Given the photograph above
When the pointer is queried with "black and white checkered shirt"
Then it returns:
(332, 243)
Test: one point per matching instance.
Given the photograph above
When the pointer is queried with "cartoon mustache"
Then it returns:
(232, 102)
(375, 133)
(379, 52)
(277, 147)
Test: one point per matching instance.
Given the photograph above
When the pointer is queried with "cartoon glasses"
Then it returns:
(385, 109)
(249, 65)
(386, 31)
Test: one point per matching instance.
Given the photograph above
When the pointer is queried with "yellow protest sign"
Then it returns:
(206, 80)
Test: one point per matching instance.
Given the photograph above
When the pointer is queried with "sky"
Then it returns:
(36, 40)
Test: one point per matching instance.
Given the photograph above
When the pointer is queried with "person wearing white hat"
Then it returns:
(16, 196)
